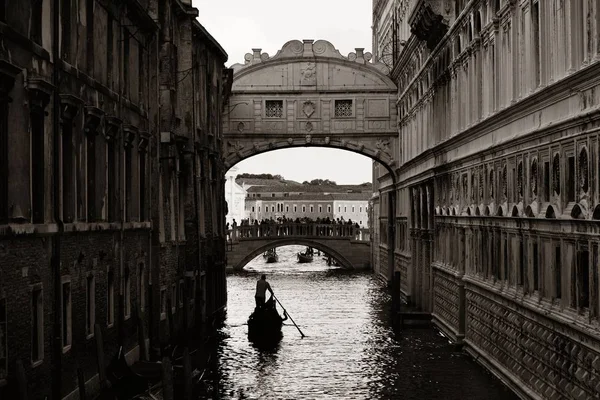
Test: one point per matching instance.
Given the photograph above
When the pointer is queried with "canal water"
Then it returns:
(349, 351)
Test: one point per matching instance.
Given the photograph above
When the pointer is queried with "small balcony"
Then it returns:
(427, 22)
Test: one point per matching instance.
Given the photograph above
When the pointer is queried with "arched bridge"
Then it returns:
(349, 245)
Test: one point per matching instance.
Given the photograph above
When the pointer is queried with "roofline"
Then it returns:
(211, 39)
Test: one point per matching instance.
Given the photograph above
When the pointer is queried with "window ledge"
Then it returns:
(37, 363)
(66, 349)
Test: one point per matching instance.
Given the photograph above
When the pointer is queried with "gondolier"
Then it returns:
(261, 290)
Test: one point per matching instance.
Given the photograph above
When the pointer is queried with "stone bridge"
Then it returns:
(349, 245)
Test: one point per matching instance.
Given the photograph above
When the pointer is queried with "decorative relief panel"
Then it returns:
(445, 298)
(377, 125)
(377, 108)
(546, 356)
(343, 125)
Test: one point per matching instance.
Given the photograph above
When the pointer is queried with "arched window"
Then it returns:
(520, 179)
(583, 170)
(504, 182)
(534, 177)
(556, 174)
(491, 184)
(469, 33)
(495, 5)
(477, 22)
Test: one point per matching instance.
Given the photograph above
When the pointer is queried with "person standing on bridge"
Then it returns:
(261, 290)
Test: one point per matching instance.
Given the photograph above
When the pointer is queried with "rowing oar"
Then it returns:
(284, 310)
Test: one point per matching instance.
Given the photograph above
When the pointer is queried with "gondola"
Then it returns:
(305, 257)
(272, 256)
(264, 325)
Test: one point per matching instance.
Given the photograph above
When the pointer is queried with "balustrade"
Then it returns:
(298, 229)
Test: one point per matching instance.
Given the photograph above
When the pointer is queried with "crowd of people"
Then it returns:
(284, 226)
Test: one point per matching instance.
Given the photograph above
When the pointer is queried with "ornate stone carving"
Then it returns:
(93, 116)
(234, 147)
(69, 106)
(308, 126)
(491, 184)
(240, 127)
(309, 74)
(143, 141)
(290, 140)
(129, 132)
(256, 146)
(308, 139)
(504, 182)
(326, 139)
(112, 125)
(308, 108)
(40, 91)
(384, 146)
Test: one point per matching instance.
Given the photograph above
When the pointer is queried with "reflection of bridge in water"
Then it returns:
(348, 244)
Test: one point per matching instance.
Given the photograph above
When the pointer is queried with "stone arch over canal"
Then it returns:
(309, 95)
(351, 254)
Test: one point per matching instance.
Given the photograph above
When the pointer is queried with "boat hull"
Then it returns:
(302, 258)
(264, 327)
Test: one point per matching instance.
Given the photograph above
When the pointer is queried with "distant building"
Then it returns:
(349, 202)
(235, 195)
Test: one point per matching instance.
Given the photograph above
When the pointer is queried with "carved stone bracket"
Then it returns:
(112, 127)
(426, 24)
(384, 146)
(69, 106)
(181, 142)
(143, 141)
(93, 116)
(235, 146)
(129, 133)
(40, 91)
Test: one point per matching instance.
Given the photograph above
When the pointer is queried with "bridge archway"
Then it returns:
(345, 263)
(309, 95)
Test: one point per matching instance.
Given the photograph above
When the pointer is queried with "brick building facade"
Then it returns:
(110, 184)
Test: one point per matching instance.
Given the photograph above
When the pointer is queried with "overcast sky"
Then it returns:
(241, 25)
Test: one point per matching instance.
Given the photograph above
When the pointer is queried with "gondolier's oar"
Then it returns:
(288, 314)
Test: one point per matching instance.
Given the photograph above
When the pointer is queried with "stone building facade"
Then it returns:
(500, 158)
(86, 184)
(349, 202)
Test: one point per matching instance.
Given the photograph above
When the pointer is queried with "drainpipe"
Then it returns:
(55, 258)
(195, 175)
(122, 189)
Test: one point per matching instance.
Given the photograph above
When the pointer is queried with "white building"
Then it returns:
(235, 195)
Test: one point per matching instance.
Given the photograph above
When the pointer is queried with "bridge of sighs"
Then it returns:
(310, 95)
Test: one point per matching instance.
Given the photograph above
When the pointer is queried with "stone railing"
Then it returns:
(298, 229)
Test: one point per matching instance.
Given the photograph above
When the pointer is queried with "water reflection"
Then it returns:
(349, 351)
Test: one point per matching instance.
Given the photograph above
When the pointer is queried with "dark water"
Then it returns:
(349, 351)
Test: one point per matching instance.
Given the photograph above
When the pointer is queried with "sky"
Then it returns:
(241, 25)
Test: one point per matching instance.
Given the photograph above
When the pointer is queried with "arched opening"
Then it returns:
(550, 213)
(577, 212)
(477, 212)
(487, 211)
(515, 212)
(469, 33)
(529, 212)
(500, 213)
(341, 258)
(596, 214)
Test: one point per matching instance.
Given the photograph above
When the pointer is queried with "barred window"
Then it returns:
(343, 108)
(274, 108)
